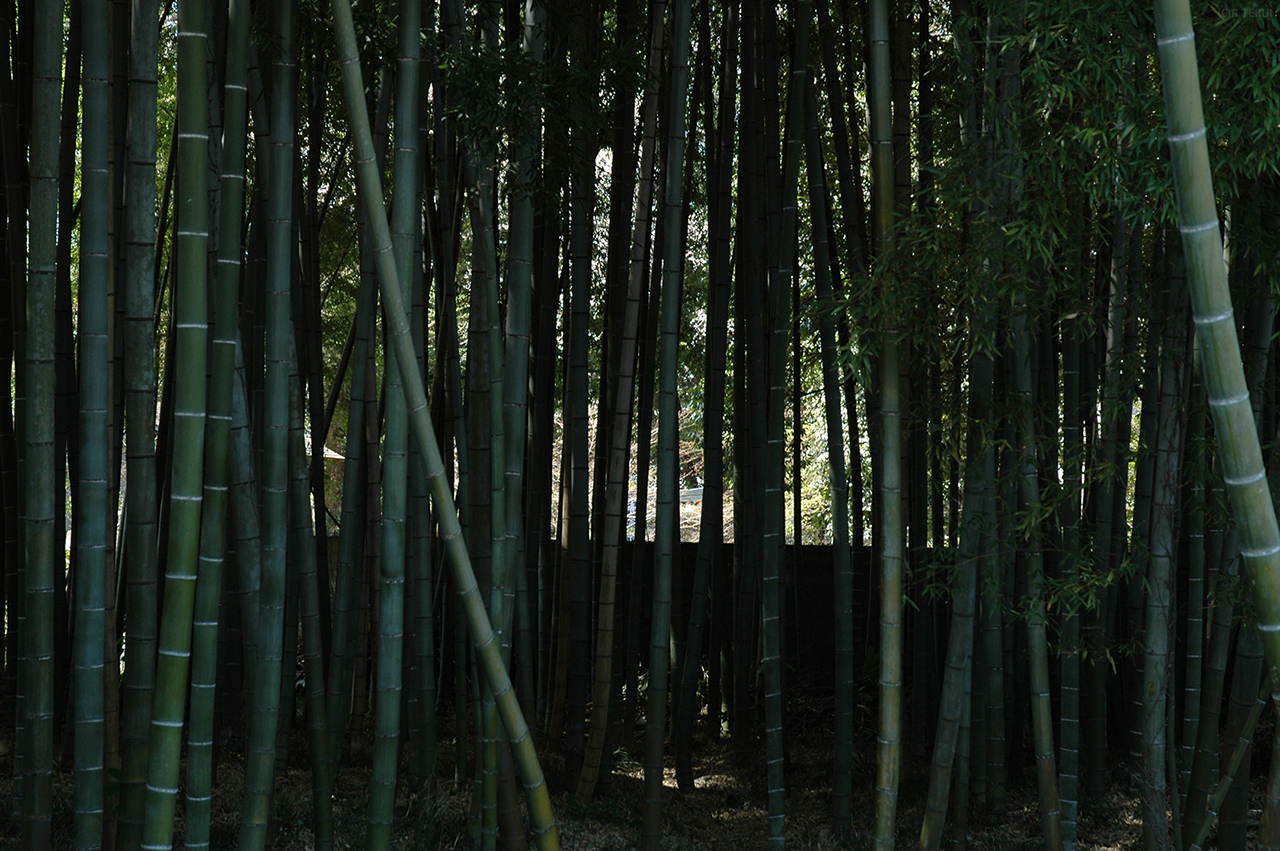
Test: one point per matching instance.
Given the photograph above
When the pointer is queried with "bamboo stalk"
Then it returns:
(91, 525)
(42, 555)
(893, 533)
(140, 392)
(278, 352)
(395, 449)
(1225, 387)
(487, 650)
(190, 314)
(1233, 764)
(213, 533)
(620, 430)
(666, 533)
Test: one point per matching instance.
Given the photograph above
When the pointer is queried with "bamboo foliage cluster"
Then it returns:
(901, 279)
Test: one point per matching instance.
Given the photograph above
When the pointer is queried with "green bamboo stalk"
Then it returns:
(487, 651)
(42, 555)
(260, 761)
(1008, 165)
(303, 544)
(842, 776)
(710, 562)
(772, 594)
(1106, 547)
(419, 589)
(500, 584)
(489, 448)
(642, 560)
(213, 532)
(955, 696)
(574, 655)
(1069, 658)
(750, 390)
(964, 789)
(1248, 670)
(1134, 588)
(1037, 638)
(666, 535)
(620, 430)
(395, 447)
(204, 653)
(1233, 764)
(1159, 584)
(516, 359)
(639, 270)
(190, 313)
(346, 596)
(90, 571)
(480, 409)
(419, 615)
(993, 745)
(1193, 689)
(1226, 391)
(685, 604)
(1269, 827)
(12, 410)
(487, 323)
(246, 532)
(1204, 763)
(893, 533)
(14, 162)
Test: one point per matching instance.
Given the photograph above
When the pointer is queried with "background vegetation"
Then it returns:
(376, 360)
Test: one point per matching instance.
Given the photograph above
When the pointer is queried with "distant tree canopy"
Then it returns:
(307, 305)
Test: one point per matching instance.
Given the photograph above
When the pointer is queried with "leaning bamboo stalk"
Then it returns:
(1247, 671)
(1233, 764)
(1242, 465)
(487, 649)
(955, 693)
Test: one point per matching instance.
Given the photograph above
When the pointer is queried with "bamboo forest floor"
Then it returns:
(724, 812)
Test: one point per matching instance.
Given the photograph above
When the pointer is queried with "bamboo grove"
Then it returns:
(361, 362)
